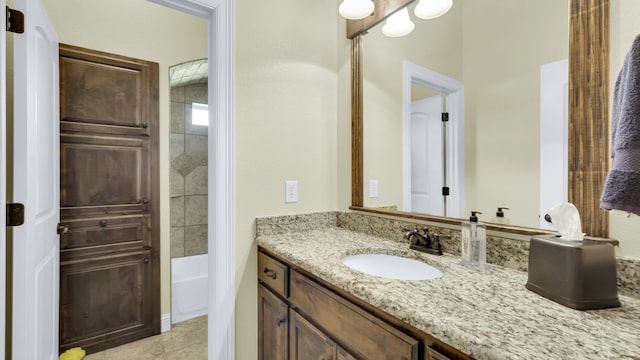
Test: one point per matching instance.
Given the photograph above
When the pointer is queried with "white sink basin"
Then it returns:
(392, 267)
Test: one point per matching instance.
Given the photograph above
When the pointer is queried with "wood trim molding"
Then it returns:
(357, 149)
(588, 117)
(222, 251)
(589, 111)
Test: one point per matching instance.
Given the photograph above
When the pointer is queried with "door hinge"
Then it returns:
(15, 21)
(445, 116)
(15, 214)
(445, 191)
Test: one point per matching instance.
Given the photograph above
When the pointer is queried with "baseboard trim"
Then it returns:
(165, 322)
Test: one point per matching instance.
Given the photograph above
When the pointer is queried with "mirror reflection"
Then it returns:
(509, 58)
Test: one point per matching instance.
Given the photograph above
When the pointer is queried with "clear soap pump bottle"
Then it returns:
(500, 218)
(474, 242)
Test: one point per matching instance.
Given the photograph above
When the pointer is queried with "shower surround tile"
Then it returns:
(195, 240)
(196, 93)
(196, 183)
(177, 117)
(188, 176)
(176, 183)
(197, 147)
(195, 210)
(176, 145)
(177, 241)
(177, 211)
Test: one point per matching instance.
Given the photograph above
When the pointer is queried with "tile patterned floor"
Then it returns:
(186, 340)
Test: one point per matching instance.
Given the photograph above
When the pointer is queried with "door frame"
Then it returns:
(221, 206)
(3, 180)
(454, 93)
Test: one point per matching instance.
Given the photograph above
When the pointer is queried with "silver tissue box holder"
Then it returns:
(577, 274)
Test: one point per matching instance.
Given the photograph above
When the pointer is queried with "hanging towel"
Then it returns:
(622, 188)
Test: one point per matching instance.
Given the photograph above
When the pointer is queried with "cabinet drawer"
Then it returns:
(361, 333)
(273, 274)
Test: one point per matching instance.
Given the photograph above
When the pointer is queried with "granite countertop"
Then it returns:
(486, 314)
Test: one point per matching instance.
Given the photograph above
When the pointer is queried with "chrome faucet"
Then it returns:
(423, 242)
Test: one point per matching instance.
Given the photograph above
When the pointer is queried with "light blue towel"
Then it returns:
(622, 188)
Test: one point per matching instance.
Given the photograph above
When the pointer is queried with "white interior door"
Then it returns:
(36, 185)
(427, 160)
(3, 179)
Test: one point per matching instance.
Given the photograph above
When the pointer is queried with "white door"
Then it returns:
(554, 137)
(36, 185)
(427, 160)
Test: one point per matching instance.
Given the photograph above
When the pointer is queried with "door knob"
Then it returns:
(62, 229)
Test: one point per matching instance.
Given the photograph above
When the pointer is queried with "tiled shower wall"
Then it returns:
(188, 173)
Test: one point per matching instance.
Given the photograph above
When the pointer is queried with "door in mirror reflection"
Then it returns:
(427, 156)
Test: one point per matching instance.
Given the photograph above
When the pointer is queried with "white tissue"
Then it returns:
(566, 219)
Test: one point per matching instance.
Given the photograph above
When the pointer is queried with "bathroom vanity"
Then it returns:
(311, 305)
(291, 301)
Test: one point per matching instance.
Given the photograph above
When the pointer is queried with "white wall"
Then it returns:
(138, 29)
(624, 28)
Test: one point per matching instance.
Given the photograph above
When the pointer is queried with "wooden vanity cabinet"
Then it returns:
(273, 326)
(273, 309)
(301, 317)
(308, 342)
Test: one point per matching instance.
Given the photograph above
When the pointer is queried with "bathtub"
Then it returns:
(189, 287)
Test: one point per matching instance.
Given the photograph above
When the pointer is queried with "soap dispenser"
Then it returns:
(500, 218)
(474, 242)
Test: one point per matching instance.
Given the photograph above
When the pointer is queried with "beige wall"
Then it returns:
(435, 44)
(138, 29)
(500, 70)
(505, 42)
(286, 127)
(624, 28)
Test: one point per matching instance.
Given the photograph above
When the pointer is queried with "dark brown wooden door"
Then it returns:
(109, 199)
(273, 326)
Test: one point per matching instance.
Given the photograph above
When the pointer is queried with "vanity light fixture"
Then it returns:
(356, 9)
(398, 24)
(431, 9)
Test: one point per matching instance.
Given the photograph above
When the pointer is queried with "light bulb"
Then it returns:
(356, 9)
(430, 9)
(398, 24)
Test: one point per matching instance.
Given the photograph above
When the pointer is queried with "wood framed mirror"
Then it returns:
(588, 144)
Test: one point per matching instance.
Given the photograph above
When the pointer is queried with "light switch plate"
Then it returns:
(373, 188)
(291, 191)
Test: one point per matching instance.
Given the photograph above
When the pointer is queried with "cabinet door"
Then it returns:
(307, 342)
(104, 300)
(342, 354)
(273, 330)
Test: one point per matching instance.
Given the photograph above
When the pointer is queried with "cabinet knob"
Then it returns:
(280, 321)
(103, 223)
(146, 260)
(145, 201)
(145, 125)
(270, 273)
